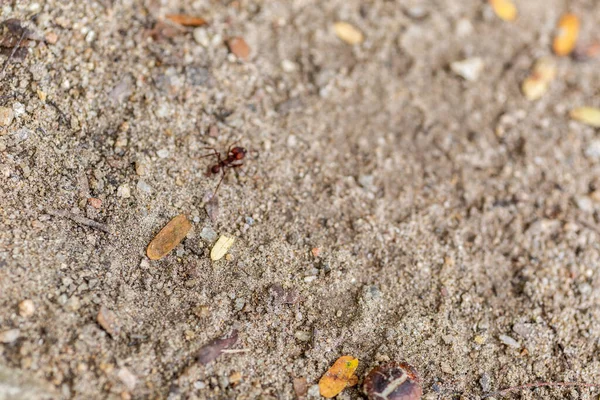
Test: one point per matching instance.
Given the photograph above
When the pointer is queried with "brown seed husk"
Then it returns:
(168, 237)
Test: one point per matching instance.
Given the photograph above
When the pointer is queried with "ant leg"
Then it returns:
(214, 153)
(220, 181)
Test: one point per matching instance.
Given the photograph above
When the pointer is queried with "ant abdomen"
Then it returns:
(215, 169)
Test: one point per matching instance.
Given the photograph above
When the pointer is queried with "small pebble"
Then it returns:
(201, 37)
(507, 340)
(303, 336)
(593, 149)
(309, 279)
(479, 339)
(19, 109)
(288, 66)
(207, 233)
(239, 47)
(523, 329)
(162, 153)
(108, 321)
(51, 38)
(199, 385)
(485, 382)
(235, 377)
(6, 116)
(94, 202)
(469, 69)
(142, 186)
(124, 191)
(128, 379)
(584, 203)
(9, 336)
(26, 308)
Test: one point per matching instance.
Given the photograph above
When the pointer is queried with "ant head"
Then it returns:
(215, 169)
(238, 152)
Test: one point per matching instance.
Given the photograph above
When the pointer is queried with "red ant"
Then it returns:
(235, 159)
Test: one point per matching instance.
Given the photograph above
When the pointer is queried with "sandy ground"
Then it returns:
(456, 222)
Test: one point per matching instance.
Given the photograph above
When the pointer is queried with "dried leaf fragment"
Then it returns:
(339, 376)
(537, 83)
(566, 37)
(348, 33)
(168, 237)
(300, 387)
(212, 350)
(221, 247)
(186, 20)
(588, 115)
(239, 47)
(504, 9)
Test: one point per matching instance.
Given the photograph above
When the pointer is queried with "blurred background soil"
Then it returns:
(387, 209)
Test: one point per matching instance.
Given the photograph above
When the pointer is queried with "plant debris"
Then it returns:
(587, 115)
(214, 349)
(80, 220)
(537, 83)
(348, 33)
(168, 237)
(504, 9)
(339, 377)
(300, 386)
(567, 34)
(186, 20)
(221, 247)
(212, 206)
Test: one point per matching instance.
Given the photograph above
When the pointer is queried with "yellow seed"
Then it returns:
(168, 237)
(348, 33)
(504, 9)
(566, 37)
(588, 115)
(537, 83)
(221, 247)
(479, 339)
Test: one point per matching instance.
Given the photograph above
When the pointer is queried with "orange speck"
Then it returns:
(504, 9)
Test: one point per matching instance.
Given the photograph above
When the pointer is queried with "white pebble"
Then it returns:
(201, 37)
(128, 379)
(288, 66)
(124, 191)
(9, 336)
(19, 109)
(469, 69)
(163, 153)
(507, 340)
(309, 279)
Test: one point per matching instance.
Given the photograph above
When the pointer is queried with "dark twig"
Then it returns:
(62, 116)
(12, 53)
(80, 220)
(539, 385)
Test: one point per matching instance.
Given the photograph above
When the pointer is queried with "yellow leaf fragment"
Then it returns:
(504, 9)
(567, 34)
(588, 115)
(348, 33)
(537, 83)
(221, 247)
(338, 377)
(168, 237)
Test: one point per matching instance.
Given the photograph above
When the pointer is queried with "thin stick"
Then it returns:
(80, 220)
(234, 351)
(540, 384)
(12, 53)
